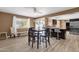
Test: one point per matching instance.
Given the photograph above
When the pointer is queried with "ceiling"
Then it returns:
(33, 11)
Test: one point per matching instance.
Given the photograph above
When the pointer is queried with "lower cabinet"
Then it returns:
(61, 34)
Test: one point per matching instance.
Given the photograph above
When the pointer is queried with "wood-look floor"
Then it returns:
(20, 44)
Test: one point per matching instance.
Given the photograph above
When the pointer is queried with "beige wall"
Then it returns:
(62, 24)
(58, 24)
(32, 22)
(50, 22)
(46, 21)
(5, 22)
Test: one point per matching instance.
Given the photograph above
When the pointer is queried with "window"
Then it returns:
(22, 22)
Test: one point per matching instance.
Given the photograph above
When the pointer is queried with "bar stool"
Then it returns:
(57, 30)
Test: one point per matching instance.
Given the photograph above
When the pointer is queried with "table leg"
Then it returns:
(38, 41)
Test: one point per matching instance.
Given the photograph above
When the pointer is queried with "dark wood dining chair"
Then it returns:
(30, 35)
(33, 37)
(45, 35)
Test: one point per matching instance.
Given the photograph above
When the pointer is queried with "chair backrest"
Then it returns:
(46, 32)
(30, 32)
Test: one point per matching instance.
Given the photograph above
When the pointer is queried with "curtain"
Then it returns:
(14, 29)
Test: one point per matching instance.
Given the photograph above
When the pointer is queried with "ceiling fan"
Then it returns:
(36, 10)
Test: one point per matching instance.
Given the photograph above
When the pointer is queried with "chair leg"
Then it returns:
(14, 36)
(48, 40)
(32, 41)
(29, 40)
(37, 43)
(40, 40)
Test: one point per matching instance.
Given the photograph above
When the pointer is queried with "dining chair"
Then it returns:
(57, 30)
(45, 36)
(33, 37)
(29, 35)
